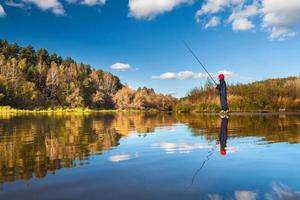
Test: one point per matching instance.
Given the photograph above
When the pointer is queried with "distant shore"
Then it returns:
(8, 109)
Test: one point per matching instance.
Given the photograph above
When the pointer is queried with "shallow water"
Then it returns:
(149, 156)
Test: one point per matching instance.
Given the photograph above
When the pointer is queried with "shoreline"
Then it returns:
(9, 110)
(243, 113)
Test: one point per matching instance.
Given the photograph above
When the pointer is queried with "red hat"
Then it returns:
(221, 76)
(223, 152)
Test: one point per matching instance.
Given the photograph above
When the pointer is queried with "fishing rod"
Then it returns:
(192, 52)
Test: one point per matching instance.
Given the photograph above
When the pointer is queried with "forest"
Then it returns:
(271, 95)
(35, 79)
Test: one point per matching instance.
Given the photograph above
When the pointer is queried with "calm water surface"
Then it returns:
(149, 156)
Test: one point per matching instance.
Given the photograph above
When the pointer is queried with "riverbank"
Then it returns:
(8, 109)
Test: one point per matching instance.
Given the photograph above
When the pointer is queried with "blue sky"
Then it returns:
(141, 40)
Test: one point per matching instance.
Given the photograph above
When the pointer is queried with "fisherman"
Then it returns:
(223, 94)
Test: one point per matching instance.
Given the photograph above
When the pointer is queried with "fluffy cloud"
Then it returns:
(210, 7)
(240, 17)
(88, 2)
(120, 66)
(53, 5)
(167, 75)
(278, 17)
(149, 9)
(242, 24)
(184, 75)
(214, 21)
(14, 4)
(226, 72)
(2, 12)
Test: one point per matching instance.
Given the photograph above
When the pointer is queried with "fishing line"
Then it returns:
(192, 52)
(210, 153)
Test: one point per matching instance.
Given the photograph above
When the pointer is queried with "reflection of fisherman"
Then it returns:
(223, 136)
(223, 93)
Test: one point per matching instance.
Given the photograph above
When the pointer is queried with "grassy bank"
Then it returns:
(272, 95)
(8, 109)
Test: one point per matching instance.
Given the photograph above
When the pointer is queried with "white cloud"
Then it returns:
(211, 7)
(242, 24)
(240, 17)
(281, 33)
(120, 66)
(88, 2)
(14, 4)
(226, 72)
(214, 21)
(2, 11)
(149, 9)
(53, 5)
(184, 75)
(247, 11)
(280, 17)
(167, 75)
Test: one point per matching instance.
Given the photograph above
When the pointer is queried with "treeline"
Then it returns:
(281, 94)
(31, 79)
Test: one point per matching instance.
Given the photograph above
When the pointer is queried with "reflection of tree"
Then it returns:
(141, 122)
(273, 128)
(33, 145)
(37, 144)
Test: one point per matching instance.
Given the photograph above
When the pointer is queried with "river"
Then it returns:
(149, 156)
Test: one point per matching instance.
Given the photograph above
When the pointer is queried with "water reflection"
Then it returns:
(32, 145)
(278, 192)
(271, 128)
(223, 135)
(179, 147)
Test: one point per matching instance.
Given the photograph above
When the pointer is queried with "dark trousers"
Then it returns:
(224, 104)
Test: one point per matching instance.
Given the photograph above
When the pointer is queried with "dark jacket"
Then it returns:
(223, 94)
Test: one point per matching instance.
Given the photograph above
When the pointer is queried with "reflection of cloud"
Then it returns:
(245, 195)
(239, 195)
(119, 158)
(123, 157)
(280, 191)
(214, 197)
(230, 149)
(170, 148)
